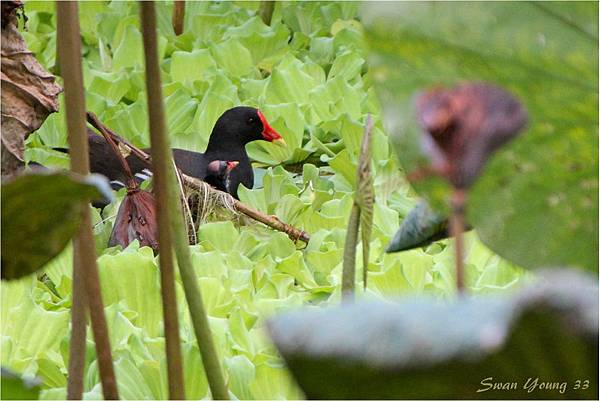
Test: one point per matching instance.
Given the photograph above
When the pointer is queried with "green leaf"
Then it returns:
(543, 185)
(111, 86)
(15, 387)
(188, 67)
(129, 52)
(233, 57)
(131, 277)
(34, 231)
(347, 65)
(180, 109)
(267, 44)
(33, 332)
(289, 82)
(221, 236)
(421, 227)
(129, 122)
(54, 131)
(460, 344)
(241, 372)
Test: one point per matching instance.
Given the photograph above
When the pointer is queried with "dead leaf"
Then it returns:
(29, 92)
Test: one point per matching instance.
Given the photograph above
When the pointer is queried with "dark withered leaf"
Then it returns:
(136, 220)
(464, 125)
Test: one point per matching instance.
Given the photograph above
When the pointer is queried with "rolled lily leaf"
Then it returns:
(421, 227)
(528, 344)
(40, 214)
(14, 387)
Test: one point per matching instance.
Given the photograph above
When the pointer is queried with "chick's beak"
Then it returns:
(231, 165)
(269, 134)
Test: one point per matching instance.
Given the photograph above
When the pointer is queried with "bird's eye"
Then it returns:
(250, 120)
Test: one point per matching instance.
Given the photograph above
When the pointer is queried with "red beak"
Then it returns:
(232, 165)
(269, 134)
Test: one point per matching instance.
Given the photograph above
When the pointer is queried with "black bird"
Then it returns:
(233, 130)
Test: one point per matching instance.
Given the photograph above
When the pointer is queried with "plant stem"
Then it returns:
(162, 157)
(266, 11)
(457, 227)
(78, 332)
(95, 122)
(349, 264)
(365, 195)
(84, 262)
(160, 152)
(272, 222)
(178, 15)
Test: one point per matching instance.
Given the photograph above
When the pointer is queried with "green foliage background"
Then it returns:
(308, 74)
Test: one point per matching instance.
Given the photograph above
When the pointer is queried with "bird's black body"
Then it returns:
(232, 131)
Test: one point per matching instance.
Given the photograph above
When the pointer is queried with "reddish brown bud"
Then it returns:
(463, 126)
(136, 219)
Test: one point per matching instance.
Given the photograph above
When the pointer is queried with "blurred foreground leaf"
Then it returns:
(15, 387)
(40, 214)
(423, 349)
(543, 186)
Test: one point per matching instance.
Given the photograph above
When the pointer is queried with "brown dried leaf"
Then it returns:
(464, 125)
(29, 93)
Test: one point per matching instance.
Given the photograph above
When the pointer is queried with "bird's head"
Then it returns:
(221, 168)
(241, 125)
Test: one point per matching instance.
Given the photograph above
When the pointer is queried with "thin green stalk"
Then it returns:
(365, 195)
(161, 156)
(84, 262)
(349, 264)
(265, 11)
(361, 217)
